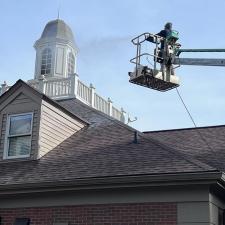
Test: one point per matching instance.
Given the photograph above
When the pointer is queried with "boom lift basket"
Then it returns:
(157, 79)
(161, 76)
(153, 79)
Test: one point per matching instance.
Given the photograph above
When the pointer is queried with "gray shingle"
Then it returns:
(206, 144)
(104, 149)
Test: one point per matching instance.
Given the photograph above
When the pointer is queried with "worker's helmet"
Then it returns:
(168, 26)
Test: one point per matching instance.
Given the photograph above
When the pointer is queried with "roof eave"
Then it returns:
(152, 180)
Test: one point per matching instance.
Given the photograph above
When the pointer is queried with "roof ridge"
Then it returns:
(42, 96)
(188, 158)
(156, 142)
(104, 115)
(187, 128)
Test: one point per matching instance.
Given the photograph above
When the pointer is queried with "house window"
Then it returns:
(46, 61)
(18, 135)
(71, 62)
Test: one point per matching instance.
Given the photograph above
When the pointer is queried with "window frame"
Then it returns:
(70, 63)
(46, 52)
(7, 135)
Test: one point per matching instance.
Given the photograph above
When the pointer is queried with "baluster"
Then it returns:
(74, 85)
(4, 88)
(110, 107)
(41, 84)
(122, 116)
(92, 95)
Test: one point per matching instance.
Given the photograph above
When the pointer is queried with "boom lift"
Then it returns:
(161, 75)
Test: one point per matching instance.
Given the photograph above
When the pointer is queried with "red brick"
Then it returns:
(105, 214)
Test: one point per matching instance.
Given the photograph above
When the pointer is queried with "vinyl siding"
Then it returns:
(55, 127)
(21, 104)
(51, 125)
(20, 99)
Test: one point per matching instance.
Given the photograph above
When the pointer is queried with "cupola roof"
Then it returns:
(57, 29)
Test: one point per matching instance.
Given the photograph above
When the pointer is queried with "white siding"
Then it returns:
(21, 104)
(55, 127)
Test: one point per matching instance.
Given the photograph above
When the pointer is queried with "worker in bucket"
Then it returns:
(165, 33)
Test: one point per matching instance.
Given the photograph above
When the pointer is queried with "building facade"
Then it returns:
(65, 162)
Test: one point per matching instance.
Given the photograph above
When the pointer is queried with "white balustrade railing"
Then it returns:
(53, 87)
(116, 113)
(70, 87)
(101, 104)
(4, 87)
(34, 84)
(58, 88)
(84, 92)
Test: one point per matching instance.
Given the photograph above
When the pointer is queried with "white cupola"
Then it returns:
(56, 51)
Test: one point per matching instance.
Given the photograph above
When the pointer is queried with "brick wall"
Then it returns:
(110, 214)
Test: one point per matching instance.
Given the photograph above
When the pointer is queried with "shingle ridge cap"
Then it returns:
(186, 157)
(103, 114)
(156, 142)
(183, 129)
(42, 96)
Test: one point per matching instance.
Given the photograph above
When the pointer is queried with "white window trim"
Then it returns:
(6, 144)
(45, 65)
(70, 63)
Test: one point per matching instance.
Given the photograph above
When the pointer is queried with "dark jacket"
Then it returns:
(163, 33)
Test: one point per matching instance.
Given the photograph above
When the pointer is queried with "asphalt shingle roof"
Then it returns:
(105, 148)
(206, 144)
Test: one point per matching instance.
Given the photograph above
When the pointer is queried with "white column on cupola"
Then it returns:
(56, 51)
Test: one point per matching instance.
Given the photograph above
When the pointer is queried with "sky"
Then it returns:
(103, 31)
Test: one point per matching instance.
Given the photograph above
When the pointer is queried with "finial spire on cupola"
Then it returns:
(56, 51)
(58, 12)
(58, 15)
(59, 7)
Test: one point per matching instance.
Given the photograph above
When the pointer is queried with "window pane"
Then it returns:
(71, 61)
(20, 124)
(19, 146)
(46, 61)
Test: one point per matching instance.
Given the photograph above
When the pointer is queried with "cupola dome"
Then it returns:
(58, 29)
(56, 51)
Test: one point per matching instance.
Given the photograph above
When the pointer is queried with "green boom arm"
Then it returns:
(198, 61)
(179, 51)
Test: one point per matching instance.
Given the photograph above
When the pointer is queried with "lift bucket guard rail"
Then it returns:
(143, 37)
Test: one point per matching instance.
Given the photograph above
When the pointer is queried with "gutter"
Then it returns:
(135, 181)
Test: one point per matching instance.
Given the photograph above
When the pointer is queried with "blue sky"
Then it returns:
(103, 30)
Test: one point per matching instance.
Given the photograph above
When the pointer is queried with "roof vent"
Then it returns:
(135, 141)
